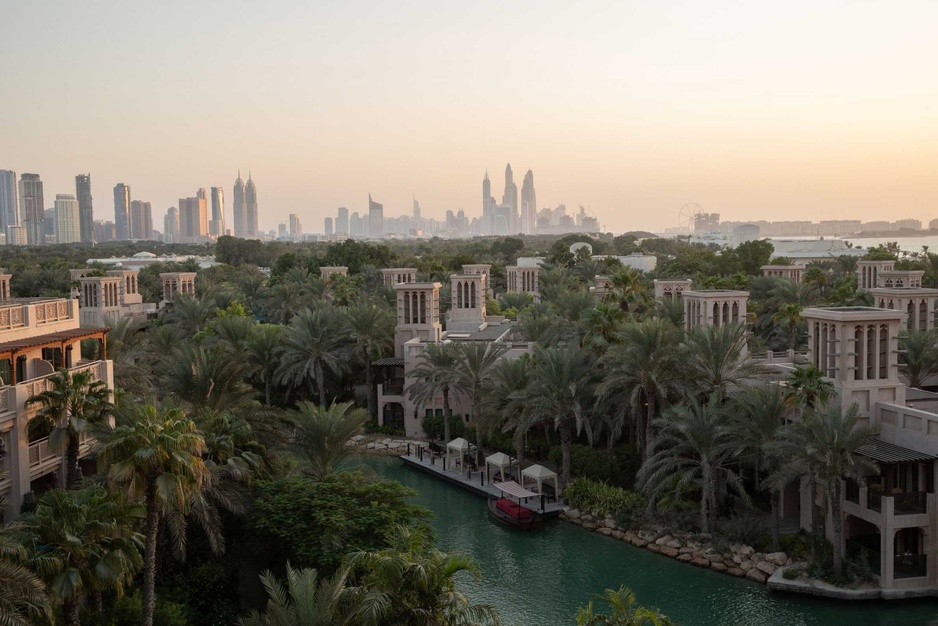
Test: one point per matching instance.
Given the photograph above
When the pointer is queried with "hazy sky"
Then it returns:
(797, 110)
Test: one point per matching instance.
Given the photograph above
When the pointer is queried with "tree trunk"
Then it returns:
(815, 530)
(149, 556)
(447, 414)
(773, 503)
(321, 383)
(649, 426)
(267, 390)
(705, 495)
(792, 335)
(566, 447)
(372, 392)
(73, 471)
(837, 524)
(70, 612)
(714, 496)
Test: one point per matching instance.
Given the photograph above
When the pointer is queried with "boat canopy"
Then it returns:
(515, 490)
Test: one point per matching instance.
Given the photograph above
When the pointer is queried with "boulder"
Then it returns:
(577, 521)
(605, 531)
(747, 565)
(705, 537)
(674, 543)
(572, 513)
(700, 562)
(685, 558)
(589, 525)
(737, 559)
(663, 540)
(777, 558)
(370, 446)
(735, 571)
(745, 551)
(718, 567)
(609, 523)
(757, 557)
(766, 567)
(756, 576)
(715, 558)
(669, 551)
(587, 518)
(653, 547)
(686, 550)
(639, 542)
(386, 440)
(629, 535)
(618, 534)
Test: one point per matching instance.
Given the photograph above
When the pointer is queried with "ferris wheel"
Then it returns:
(687, 217)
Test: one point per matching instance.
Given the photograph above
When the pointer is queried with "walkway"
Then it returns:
(475, 482)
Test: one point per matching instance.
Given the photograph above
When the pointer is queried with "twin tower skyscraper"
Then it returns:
(506, 218)
(244, 210)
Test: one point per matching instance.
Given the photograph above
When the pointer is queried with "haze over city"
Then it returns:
(798, 111)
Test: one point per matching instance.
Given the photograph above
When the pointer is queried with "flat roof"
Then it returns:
(885, 452)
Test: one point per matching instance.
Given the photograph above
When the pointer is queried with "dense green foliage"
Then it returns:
(599, 498)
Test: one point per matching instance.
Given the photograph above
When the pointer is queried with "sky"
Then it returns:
(754, 110)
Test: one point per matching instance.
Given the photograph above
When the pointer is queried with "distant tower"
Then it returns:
(31, 205)
(216, 226)
(239, 210)
(67, 228)
(9, 200)
(85, 209)
(416, 209)
(375, 218)
(250, 202)
(141, 220)
(528, 205)
(171, 225)
(341, 222)
(511, 199)
(488, 206)
(122, 210)
(326, 230)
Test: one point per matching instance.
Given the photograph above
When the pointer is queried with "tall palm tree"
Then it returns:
(371, 327)
(321, 434)
(307, 600)
(207, 378)
(561, 391)
(695, 448)
(191, 313)
(717, 360)
(918, 356)
(154, 454)
(790, 292)
(261, 353)
(474, 364)
(504, 401)
(824, 445)
(808, 388)
(126, 347)
(22, 592)
(758, 427)
(282, 302)
(641, 372)
(630, 290)
(85, 542)
(434, 375)
(74, 403)
(313, 348)
(625, 612)
(789, 315)
(412, 582)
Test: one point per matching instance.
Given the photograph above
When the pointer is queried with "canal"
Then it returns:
(540, 578)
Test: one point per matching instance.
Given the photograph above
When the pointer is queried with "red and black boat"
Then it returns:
(512, 513)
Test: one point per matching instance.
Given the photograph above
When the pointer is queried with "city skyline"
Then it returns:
(636, 110)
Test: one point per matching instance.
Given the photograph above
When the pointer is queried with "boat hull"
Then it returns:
(527, 523)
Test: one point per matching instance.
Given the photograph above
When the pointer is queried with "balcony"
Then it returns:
(874, 500)
(910, 566)
(43, 458)
(910, 503)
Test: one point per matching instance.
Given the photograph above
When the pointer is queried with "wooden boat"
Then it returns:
(512, 513)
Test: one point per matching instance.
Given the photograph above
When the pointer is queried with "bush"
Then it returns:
(791, 573)
(433, 427)
(798, 545)
(746, 529)
(617, 469)
(595, 497)
(126, 612)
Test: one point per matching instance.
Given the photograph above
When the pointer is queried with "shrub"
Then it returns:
(433, 426)
(596, 497)
(617, 469)
(126, 612)
(746, 529)
(791, 573)
(798, 545)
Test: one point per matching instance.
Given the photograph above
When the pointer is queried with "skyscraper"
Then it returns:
(356, 225)
(216, 226)
(250, 208)
(193, 219)
(31, 206)
(296, 228)
(141, 220)
(416, 209)
(9, 201)
(122, 210)
(341, 222)
(171, 225)
(326, 228)
(238, 209)
(528, 205)
(85, 209)
(375, 218)
(511, 199)
(67, 219)
(488, 206)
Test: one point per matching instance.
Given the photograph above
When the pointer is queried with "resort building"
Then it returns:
(524, 279)
(672, 287)
(177, 283)
(396, 275)
(328, 272)
(793, 272)
(105, 299)
(714, 307)
(37, 337)
(481, 268)
(603, 286)
(869, 272)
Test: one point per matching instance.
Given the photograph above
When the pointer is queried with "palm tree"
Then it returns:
(313, 347)
(758, 428)
(126, 348)
(504, 401)
(694, 449)
(640, 371)
(808, 388)
(474, 364)
(372, 329)
(790, 315)
(307, 600)
(436, 374)
(624, 612)
(261, 353)
(717, 361)
(561, 391)
(600, 325)
(207, 378)
(790, 292)
(321, 434)
(154, 454)
(824, 445)
(412, 582)
(85, 542)
(74, 402)
(190, 312)
(629, 289)
(22, 592)
(918, 356)
(282, 302)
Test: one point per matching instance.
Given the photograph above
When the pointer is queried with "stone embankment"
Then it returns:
(697, 549)
(383, 445)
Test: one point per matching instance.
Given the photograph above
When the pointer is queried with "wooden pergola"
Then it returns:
(11, 350)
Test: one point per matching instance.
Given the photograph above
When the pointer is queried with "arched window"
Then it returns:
(423, 307)
(459, 295)
(859, 368)
(406, 308)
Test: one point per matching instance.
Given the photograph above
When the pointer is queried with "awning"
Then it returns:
(390, 361)
(891, 453)
(499, 458)
(459, 444)
(538, 471)
(8, 349)
(515, 490)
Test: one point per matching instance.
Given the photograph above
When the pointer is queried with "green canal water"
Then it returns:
(540, 578)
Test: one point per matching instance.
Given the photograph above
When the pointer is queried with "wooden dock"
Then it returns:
(476, 482)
